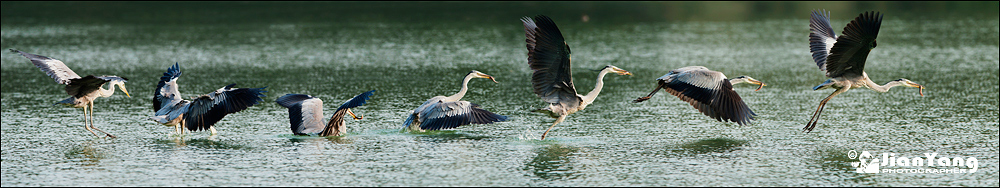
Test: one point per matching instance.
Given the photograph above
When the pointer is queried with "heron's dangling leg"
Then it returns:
(558, 120)
(640, 99)
(92, 121)
(819, 110)
(86, 122)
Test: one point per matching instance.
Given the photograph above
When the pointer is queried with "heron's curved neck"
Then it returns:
(107, 92)
(461, 93)
(590, 97)
(881, 88)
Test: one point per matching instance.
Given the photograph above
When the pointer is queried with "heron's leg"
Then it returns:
(558, 120)
(819, 110)
(640, 99)
(212, 128)
(86, 122)
(92, 121)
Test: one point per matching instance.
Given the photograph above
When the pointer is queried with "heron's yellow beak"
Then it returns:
(490, 77)
(758, 82)
(622, 72)
(125, 90)
(354, 116)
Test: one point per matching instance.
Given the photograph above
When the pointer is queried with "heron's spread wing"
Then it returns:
(821, 37)
(304, 112)
(166, 93)
(446, 115)
(549, 57)
(847, 57)
(208, 109)
(358, 100)
(80, 87)
(53, 67)
(711, 93)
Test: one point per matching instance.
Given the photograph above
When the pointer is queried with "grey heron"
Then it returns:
(552, 80)
(441, 112)
(708, 91)
(305, 114)
(843, 57)
(200, 112)
(83, 90)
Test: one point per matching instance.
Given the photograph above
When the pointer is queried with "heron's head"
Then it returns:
(617, 70)
(120, 82)
(749, 80)
(477, 74)
(909, 83)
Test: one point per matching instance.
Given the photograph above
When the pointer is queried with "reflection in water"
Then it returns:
(553, 162)
(443, 136)
(718, 145)
(86, 153)
(206, 143)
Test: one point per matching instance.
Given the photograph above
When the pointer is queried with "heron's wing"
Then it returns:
(166, 92)
(358, 100)
(446, 115)
(53, 67)
(549, 57)
(208, 109)
(821, 37)
(711, 93)
(304, 112)
(80, 87)
(847, 57)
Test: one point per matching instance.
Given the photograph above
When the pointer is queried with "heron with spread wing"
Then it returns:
(305, 114)
(708, 91)
(441, 112)
(552, 80)
(843, 57)
(202, 112)
(83, 90)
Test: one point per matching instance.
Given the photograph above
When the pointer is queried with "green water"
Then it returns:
(411, 52)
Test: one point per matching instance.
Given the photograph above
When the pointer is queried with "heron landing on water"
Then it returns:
(200, 112)
(843, 57)
(708, 91)
(552, 80)
(441, 112)
(305, 114)
(83, 90)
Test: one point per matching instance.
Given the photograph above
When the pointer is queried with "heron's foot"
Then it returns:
(109, 136)
(640, 99)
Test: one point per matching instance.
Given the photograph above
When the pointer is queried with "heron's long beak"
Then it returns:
(624, 72)
(491, 79)
(354, 116)
(759, 83)
(125, 90)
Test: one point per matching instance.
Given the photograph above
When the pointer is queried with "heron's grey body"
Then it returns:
(843, 57)
(552, 79)
(441, 112)
(202, 112)
(711, 92)
(305, 114)
(82, 90)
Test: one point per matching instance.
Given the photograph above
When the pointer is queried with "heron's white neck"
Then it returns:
(107, 92)
(589, 98)
(465, 87)
(881, 88)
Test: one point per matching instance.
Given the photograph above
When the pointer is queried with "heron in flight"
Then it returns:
(83, 90)
(442, 112)
(843, 57)
(708, 91)
(552, 80)
(200, 112)
(305, 113)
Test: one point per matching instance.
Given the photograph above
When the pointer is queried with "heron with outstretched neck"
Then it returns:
(843, 57)
(446, 112)
(82, 90)
(201, 112)
(708, 91)
(305, 114)
(552, 79)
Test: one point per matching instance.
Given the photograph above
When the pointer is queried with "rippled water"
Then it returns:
(662, 142)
